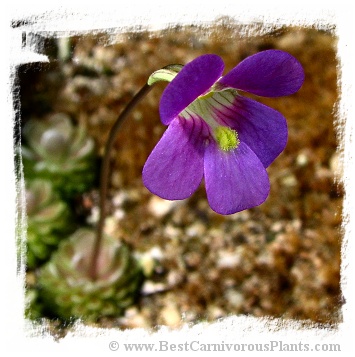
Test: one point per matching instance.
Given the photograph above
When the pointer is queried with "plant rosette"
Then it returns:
(49, 220)
(67, 289)
(57, 150)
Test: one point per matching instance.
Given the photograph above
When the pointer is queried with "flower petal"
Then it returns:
(271, 73)
(194, 79)
(262, 128)
(174, 169)
(235, 180)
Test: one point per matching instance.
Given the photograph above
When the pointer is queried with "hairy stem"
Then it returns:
(105, 175)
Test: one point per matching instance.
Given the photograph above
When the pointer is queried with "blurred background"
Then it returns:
(281, 259)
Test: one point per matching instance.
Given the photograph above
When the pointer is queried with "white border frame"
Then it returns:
(71, 17)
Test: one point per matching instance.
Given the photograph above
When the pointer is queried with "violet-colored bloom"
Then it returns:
(216, 134)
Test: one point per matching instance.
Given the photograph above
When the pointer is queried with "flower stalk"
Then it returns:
(105, 175)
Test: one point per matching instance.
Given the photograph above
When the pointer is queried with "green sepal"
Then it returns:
(166, 74)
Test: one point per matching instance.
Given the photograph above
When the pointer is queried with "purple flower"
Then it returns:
(216, 134)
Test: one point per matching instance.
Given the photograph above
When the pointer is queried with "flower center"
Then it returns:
(227, 138)
(210, 108)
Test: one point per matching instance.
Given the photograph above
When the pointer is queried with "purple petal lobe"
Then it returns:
(194, 79)
(262, 128)
(174, 169)
(271, 73)
(235, 180)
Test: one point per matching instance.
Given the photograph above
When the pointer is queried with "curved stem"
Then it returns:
(105, 175)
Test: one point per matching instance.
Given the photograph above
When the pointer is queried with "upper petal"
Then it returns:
(262, 128)
(235, 180)
(195, 78)
(174, 169)
(270, 73)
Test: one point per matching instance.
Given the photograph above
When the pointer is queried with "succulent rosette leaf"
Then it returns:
(217, 134)
(49, 220)
(33, 307)
(57, 150)
(66, 286)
